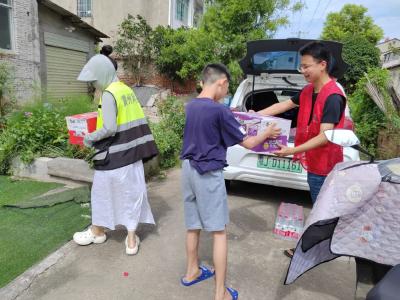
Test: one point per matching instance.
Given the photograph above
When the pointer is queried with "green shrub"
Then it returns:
(368, 118)
(73, 105)
(168, 133)
(7, 95)
(168, 143)
(40, 129)
(172, 113)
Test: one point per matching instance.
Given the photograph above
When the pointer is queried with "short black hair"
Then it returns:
(106, 50)
(213, 72)
(319, 52)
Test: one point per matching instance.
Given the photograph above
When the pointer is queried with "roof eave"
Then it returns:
(74, 19)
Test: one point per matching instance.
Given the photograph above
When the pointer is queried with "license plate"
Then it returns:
(278, 163)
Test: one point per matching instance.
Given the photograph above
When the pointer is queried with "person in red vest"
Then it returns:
(321, 107)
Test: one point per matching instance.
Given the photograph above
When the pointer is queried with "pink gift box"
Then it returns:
(254, 123)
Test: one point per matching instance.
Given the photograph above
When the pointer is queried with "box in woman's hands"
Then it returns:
(79, 125)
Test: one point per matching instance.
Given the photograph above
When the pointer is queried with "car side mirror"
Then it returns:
(342, 137)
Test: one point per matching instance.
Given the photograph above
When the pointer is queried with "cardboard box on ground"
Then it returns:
(79, 125)
(254, 123)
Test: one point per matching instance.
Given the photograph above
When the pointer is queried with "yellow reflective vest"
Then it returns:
(133, 140)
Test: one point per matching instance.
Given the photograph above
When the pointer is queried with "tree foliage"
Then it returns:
(359, 35)
(182, 53)
(135, 45)
(232, 23)
(361, 55)
(351, 21)
(224, 30)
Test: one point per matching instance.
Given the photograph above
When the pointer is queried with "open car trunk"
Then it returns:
(282, 56)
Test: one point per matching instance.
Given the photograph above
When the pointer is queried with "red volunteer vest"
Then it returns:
(320, 160)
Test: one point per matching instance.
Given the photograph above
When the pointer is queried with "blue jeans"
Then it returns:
(315, 182)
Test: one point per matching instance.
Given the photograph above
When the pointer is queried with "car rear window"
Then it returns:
(276, 60)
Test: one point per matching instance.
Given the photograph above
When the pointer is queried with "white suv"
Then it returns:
(272, 73)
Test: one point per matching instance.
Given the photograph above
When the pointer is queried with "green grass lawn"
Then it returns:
(14, 191)
(29, 235)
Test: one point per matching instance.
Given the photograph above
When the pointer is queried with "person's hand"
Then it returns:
(251, 111)
(273, 131)
(284, 151)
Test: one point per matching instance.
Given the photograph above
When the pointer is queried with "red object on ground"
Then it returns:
(79, 125)
(126, 274)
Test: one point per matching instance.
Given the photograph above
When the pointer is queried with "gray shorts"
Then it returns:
(204, 199)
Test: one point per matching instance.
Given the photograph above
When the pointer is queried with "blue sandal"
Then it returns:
(205, 274)
(234, 293)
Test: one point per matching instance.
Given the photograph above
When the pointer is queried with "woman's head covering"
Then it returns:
(99, 70)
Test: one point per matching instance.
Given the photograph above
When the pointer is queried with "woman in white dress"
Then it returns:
(122, 141)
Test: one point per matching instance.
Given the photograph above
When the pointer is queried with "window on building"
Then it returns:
(84, 8)
(389, 57)
(385, 57)
(5, 24)
(182, 9)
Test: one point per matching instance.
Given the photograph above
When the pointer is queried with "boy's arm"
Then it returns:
(271, 132)
(313, 143)
(277, 108)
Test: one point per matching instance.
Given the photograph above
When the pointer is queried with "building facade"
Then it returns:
(46, 47)
(20, 44)
(107, 15)
(390, 58)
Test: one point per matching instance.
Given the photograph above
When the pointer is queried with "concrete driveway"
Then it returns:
(256, 266)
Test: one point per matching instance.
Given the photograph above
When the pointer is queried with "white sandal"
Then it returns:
(132, 251)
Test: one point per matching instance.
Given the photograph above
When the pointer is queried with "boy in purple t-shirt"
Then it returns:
(210, 128)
